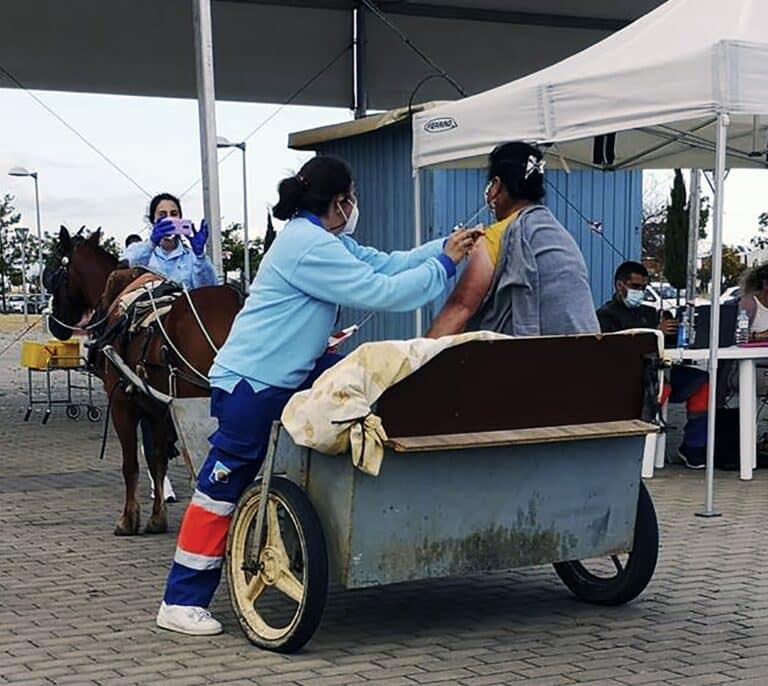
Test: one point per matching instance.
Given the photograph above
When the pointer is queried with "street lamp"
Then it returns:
(222, 142)
(22, 233)
(22, 171)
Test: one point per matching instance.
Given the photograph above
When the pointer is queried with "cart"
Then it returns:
(52, 358)
(483, 471)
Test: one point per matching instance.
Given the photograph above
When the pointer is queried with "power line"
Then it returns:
(422, 55)
(280, 108)
(61, 119)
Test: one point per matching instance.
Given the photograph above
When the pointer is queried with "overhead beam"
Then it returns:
(417, 9)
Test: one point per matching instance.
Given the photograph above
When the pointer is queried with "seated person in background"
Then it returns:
(687, 384)
(527, 276)
(754, 288)
(130, 240)
(165, 253)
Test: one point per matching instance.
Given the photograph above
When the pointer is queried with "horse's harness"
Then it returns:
(150, 306)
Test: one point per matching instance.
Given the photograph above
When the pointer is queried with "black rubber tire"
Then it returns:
(94, 414)
(73, 411)
(314, 554)
(637, 572)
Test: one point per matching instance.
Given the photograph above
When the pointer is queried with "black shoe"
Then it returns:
(693, 458)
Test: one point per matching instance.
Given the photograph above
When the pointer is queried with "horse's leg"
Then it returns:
(158, 466)
(125, 421)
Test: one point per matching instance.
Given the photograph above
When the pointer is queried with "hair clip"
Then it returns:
(302, 181)
(534, 165)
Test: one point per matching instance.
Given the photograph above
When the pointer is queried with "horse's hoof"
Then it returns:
(126, 527)
(156, 526)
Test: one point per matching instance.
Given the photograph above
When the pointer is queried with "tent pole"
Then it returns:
(694, 208)
(361, 73)
(419, 321)
(714, 323)
(206, 100)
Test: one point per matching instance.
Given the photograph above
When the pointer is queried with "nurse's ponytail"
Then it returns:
(313, 189)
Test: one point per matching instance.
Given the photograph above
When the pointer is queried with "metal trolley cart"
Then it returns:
(58, 357)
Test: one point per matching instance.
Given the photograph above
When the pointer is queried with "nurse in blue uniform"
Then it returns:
(277, 346)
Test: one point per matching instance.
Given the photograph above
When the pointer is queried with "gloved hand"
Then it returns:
(199, 238)
(165, 228)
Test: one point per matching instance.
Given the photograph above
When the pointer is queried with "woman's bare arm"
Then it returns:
(468, 295)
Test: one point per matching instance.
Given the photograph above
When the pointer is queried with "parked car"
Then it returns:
(663, 297)
(14, 304)
(732, 294)
(36, 304)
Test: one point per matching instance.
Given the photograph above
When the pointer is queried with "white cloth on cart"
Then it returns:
(335, 416)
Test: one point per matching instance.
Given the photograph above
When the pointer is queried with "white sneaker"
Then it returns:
(187, 619)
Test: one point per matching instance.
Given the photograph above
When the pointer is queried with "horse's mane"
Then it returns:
(97, 249)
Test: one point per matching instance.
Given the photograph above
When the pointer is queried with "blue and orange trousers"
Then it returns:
(237, 452)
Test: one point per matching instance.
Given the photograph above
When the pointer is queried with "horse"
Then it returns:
(84, 280)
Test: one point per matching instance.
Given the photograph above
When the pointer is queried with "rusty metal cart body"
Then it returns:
(471, 482)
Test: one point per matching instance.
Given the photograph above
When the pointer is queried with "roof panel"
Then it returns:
(265, 51)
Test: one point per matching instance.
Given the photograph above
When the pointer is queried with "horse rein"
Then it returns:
(61, 276)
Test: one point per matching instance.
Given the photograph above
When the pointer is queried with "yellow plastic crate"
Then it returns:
(51, 355)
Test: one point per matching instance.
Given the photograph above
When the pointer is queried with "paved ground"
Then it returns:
(77, 604)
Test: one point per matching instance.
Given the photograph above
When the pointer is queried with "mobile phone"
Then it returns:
(182, 227)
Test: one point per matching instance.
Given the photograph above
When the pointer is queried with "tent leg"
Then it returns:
(714, 325)
(694, 206)
(206, 99)
(419, 320)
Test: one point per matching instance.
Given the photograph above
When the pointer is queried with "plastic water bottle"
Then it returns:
(742, 328)
(683, 331)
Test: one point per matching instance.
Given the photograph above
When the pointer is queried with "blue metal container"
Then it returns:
(381, 162)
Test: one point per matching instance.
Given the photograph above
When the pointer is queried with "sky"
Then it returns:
(152, 140)
(155, 142)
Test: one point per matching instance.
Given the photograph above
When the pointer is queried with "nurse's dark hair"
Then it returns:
(753, 279)
(313, 188)
(157, 200)
(509, 162)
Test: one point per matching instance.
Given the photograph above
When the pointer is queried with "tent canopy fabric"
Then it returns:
(658, 84)
(266, 50)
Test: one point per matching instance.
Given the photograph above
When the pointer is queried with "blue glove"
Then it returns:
(165, 228)
(199, 238)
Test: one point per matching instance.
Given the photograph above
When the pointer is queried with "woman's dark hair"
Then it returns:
(753, 279)
(313, 188)
(157, 200)
(518, 166)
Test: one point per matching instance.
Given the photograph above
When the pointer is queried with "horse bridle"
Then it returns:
(59, 279)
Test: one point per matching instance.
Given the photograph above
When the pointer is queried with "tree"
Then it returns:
(233, 251)
(676, 235)
(8, 217)
(761, 239)
(653, 226)
(733, 267)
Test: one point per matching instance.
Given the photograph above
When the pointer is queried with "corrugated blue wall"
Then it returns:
(381, 162)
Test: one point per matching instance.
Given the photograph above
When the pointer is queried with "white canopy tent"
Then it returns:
(684, 86)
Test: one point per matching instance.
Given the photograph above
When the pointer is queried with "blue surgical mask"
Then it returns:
(634, 298)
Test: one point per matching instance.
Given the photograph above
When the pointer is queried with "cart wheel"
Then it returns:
(73, 411)
(27, 414)
(94, 414)
(617, 580)
(46, 417)
(279, 598)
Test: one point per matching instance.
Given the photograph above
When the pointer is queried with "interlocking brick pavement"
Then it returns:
(77, 604)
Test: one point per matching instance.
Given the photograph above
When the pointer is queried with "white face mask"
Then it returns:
(351, 220)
